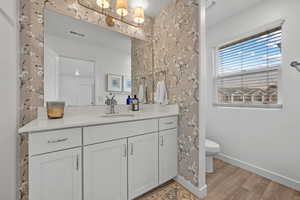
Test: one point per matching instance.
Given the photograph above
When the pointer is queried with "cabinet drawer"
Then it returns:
(167, 123)
(49, 141)
(97, 134)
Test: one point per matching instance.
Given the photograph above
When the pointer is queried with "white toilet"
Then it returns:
(211, 149)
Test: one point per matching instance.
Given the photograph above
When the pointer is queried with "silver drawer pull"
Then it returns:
(169, 123)
(125, 150)
(77, 162)
(57, 141)
(161, 140)
(131, 149)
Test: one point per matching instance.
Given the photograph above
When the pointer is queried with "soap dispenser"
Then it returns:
(128, 101)
(135, 104)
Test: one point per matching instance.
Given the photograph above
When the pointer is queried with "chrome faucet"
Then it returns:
(111, 102)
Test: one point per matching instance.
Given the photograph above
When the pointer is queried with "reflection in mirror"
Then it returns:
(84, 62)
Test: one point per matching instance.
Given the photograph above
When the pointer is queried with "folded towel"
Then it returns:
(161, 95)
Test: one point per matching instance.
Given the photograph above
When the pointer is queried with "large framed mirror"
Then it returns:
(84, 63)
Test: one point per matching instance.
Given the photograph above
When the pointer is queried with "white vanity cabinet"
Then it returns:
(105, 171)
(142, 164)
(167, 149)
(55, 165)
(167, 155)
(117, 161)
(56, 176)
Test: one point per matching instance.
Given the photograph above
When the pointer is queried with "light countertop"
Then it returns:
(92, 116)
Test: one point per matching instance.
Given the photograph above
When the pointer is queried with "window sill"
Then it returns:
(264, 106)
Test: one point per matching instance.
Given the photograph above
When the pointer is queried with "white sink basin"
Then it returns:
(117, 115)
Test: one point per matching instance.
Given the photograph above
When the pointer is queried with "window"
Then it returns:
(247, 70)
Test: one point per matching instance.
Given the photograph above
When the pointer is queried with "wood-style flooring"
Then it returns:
(228, 182)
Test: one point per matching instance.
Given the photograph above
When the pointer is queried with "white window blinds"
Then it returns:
(247, 70)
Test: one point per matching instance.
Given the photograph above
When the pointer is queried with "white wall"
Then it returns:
(107, 60)
(8, 99)
(262, 138)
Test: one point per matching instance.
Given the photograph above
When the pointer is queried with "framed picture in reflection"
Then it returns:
(127, 84)
(114, 83)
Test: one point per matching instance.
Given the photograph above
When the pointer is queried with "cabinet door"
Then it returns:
(142, 164)
(105, 171)
(167, 155)
(56, 176)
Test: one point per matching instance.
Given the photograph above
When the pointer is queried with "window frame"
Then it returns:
(216, 62)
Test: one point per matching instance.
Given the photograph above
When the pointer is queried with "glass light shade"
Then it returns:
(121, 8)
(103, 3)
(139, 16)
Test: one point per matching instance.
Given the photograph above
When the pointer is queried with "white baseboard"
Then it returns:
(198, 192)
(262, 172)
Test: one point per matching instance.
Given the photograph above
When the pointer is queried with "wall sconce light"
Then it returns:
(122, 8)
(119, 12)
(139, 15)
(104, 4)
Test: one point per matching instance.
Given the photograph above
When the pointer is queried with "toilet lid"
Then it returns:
(211, 146)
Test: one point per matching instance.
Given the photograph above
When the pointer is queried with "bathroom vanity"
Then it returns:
(93, 156)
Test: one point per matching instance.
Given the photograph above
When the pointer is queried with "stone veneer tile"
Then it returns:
(142, 61)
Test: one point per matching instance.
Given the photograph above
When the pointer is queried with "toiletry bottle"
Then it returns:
(135, 97)
(135, 104)
(138, 103)
(128, 101)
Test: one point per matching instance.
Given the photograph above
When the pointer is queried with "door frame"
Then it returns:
(80, 59)
(203, 98)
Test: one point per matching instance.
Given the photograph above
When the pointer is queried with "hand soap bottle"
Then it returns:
(135, 104)
(128, 101)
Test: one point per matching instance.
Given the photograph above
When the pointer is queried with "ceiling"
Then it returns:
(152, 7)
(61, 26)
(227, 8)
